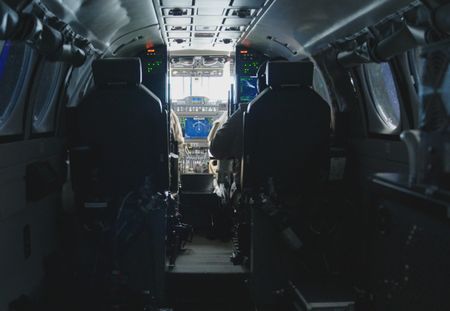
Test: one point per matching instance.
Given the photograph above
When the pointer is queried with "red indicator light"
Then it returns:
(246, 43)
(244, 52)
(149, 45)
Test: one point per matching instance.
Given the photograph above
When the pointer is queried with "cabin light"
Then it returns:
(204, 35)
(242, 13)
(232, 28)
(179, 28)
(151, 50)
(244, 52)
(177, 12)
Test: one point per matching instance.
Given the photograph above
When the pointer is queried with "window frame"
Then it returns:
(408, 82)
(412, 59)
(76, 91)
(318, 73)
(376, 125)
(51, 107)
(14, 124)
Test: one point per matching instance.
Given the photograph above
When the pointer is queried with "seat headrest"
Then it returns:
(284, 73)
(117, 71)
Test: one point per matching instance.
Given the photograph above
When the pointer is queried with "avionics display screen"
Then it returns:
(197, 100)
(247, 88)
(197, 127)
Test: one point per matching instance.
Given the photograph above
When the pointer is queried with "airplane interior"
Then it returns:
(261, 155)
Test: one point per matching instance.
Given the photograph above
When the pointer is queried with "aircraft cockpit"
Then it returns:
(199, 88)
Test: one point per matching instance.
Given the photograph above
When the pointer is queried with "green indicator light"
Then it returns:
(152, 65)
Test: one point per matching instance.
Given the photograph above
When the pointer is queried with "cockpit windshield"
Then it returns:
(213, 84)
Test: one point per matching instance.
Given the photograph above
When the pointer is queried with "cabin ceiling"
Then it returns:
(295, 28)
(288, 28)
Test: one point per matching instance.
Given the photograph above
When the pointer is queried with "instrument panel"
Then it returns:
(248, 62)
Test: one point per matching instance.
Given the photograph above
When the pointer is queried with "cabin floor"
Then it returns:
(204, 278)
(204, 255)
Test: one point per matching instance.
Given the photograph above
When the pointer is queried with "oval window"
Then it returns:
(383, 94)
(45, 96)
(15, 68)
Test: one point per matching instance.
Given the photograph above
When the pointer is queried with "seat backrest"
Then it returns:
(123, 126)
(286, 130)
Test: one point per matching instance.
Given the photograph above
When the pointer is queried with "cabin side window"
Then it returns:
(16, 61)
(45, 99)
(384, 111)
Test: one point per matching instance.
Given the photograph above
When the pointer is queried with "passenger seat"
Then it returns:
(286, 151)
(121, 132)
(286, 131)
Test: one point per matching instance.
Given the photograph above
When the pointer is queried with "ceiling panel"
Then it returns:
(208, 20)
(237, 21)
(206, 28)
(176, 3)
(178, 34)
(250, 3)
(210, 11)
(178, 21)
(203, 40)
(204, 35)
(231, 35)
(212, 3)
(204, 24)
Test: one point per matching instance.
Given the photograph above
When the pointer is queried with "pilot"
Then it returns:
(227, 142)
(216, 125)
(175, 127)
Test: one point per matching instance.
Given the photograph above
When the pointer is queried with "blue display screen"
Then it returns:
(197, 127)
(247, 88)
(196, 99)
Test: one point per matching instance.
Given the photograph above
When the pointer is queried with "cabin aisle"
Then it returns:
(205, 279)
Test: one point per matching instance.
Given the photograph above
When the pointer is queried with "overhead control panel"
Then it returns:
(154, 71)
(198, 66)
(248, 62)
